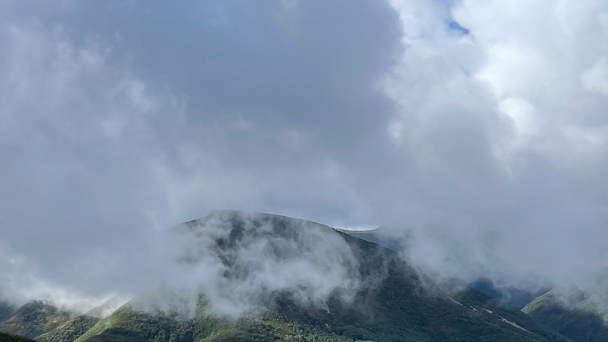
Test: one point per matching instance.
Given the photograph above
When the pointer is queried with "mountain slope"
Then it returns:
(129, 324)
(509, 296)
(6, 310)
(70, 330)
(390, 303)
(583, 322)
(33, 319)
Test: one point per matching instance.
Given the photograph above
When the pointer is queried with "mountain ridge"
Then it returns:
(386, 300)
(34, 318)
(582, 321)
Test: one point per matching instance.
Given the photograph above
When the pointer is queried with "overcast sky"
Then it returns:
(482, 126)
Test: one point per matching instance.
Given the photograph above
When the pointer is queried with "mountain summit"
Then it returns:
(273, 278)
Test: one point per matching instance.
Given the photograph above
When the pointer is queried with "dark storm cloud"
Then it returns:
(310, 66)
(119, 120)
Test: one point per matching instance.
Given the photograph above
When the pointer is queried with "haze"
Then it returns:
(479, 128)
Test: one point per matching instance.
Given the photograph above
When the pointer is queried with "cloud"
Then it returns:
(596, 77)
(478, 128)
(21, 281)
(240, 261)
(504, 123)
(108, 138)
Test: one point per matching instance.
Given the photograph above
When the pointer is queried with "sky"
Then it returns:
(479, 128)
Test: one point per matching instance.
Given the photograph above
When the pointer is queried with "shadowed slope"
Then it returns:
(6, 337)
(584, 322)
(6, 310)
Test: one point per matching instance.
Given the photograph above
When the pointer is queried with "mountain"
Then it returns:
(510, 296)
(130, 324)
(334, 287)
(384, 236)
(33, 319)
(585, 320)
(70, 330)
(393, 303)
(6, 310)
(399, 241)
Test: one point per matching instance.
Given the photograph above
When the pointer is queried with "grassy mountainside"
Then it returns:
(33, 319)
(130, 324)
(391, 305)
(127, 324)
(584, 321)
(70, 330)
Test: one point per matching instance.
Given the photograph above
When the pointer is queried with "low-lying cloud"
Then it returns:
(240, 261)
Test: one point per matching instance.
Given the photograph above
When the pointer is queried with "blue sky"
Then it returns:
(453, 25)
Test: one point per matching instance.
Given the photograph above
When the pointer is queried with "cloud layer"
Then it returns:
(488, 144)
(241, 261)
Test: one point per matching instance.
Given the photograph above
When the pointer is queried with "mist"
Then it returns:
(475, 132)
(238, 262)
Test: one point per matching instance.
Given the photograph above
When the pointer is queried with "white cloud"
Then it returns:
(596, 77)
(522, 113)
(114, 125)
(512, 102)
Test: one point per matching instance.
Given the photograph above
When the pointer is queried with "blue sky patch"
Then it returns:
(455, 26)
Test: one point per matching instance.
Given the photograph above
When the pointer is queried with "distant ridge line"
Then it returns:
(347, 230)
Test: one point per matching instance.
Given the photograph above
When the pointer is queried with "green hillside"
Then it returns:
(70, 330)
(127, 324)
(138, 326)
(584, 322)
(33, 319)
